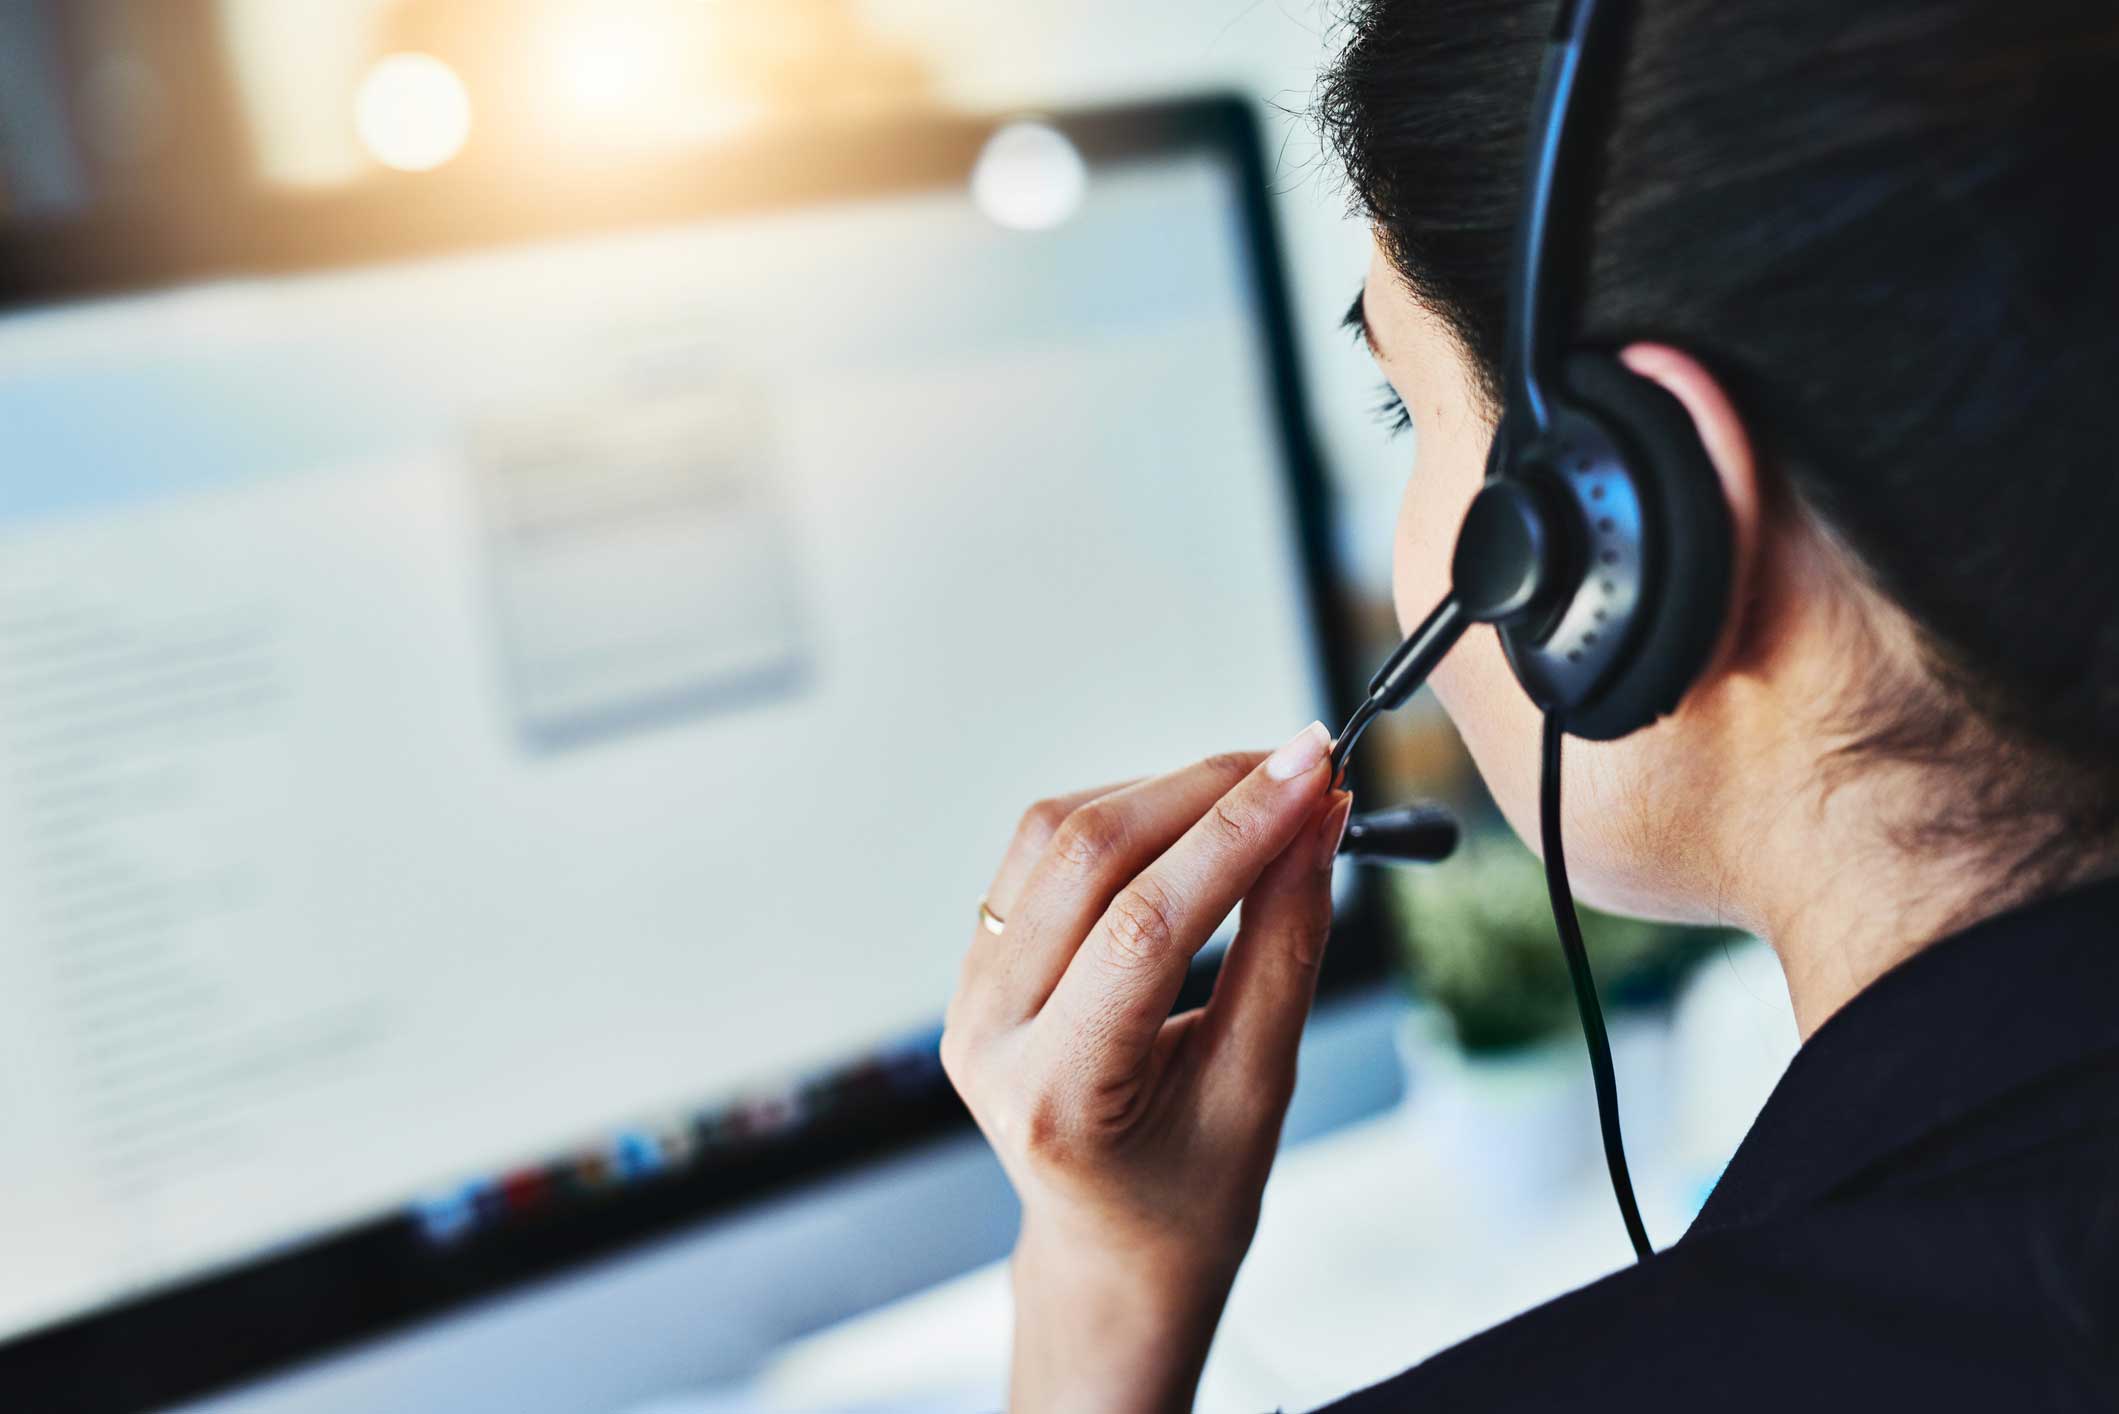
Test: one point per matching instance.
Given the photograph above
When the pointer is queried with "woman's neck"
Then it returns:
(1855, 921)
(1828, 875)
(1828, 851)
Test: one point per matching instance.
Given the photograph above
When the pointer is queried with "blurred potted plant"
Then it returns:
(1493, 1051)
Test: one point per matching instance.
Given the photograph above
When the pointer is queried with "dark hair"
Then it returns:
(1887, 228)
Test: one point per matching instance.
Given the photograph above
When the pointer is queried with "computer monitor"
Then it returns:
(507, 707)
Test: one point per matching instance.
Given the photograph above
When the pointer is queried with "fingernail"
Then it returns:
(1301, 755)
(1333, 830)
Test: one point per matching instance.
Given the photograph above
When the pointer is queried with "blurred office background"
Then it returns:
(1449, 1175)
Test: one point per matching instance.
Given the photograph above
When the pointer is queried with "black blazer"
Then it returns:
(1924, 1217)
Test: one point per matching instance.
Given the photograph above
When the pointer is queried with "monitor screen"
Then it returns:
(464, 719)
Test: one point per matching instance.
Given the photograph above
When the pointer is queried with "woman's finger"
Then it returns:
(1096, 851)
(1117, 990)
(1033, 836)
(988, 950)
(1262, 998)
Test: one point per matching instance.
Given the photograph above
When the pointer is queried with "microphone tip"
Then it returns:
(1422, 833)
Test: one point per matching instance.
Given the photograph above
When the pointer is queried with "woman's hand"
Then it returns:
(1140, 1142)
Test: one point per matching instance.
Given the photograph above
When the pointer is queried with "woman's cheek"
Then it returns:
(1420, 565)
(1503, 731)
(1498, 724)
(1449, 467)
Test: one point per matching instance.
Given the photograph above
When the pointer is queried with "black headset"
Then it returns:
(1599, 545)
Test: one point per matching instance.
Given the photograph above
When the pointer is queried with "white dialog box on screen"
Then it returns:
(641, 557)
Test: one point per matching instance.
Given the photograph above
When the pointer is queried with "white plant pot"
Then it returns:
(1507, 1125)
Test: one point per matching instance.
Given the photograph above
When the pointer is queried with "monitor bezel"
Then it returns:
(379, 1277)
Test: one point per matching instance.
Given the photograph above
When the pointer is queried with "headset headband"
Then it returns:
(1550, 240)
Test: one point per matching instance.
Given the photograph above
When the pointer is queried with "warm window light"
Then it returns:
(413, 113)
(1029, 177)
(610, 63)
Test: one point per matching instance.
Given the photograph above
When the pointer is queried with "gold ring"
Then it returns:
(992, 922)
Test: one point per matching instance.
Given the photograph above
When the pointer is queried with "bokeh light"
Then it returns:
(1029, 177)
(412, 113)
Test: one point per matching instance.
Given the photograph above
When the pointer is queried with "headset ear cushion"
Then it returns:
(1687, 601)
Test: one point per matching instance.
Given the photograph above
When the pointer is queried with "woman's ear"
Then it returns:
(1722, 433)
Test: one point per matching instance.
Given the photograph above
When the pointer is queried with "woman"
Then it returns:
(1856, 243)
